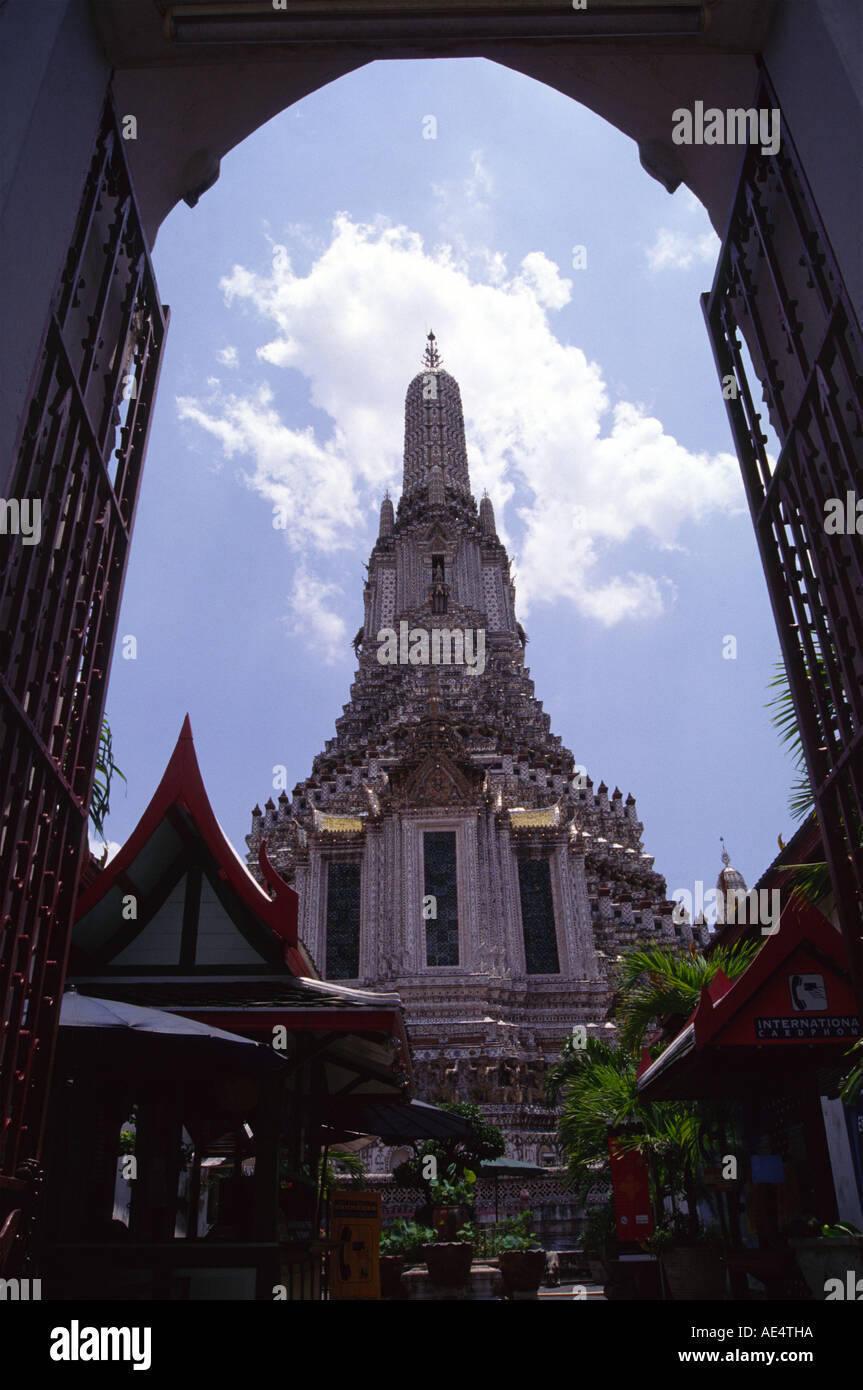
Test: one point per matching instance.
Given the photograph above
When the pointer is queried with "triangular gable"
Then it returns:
(797, 989)
(178, 876)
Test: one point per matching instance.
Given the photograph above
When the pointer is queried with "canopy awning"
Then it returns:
(510, 1168)
(109, 1036)
(392, 1121)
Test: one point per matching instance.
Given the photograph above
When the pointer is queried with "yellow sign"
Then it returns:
(355, 1232)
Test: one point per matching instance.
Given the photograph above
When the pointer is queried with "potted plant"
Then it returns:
(692, 1263)
(520, 1255)
(401, 1246)
(449, 1261)
(452, 1201)
(436, 1163)
(598, 1239)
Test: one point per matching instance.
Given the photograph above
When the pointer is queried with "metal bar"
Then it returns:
(815, 582)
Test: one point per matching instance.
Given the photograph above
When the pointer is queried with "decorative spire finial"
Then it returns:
(431, 356)
(726, 857)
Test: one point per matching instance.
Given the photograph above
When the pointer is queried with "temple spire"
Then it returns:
(431, 356)
(434, 429)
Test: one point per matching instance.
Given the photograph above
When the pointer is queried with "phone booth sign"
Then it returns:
(355, 1232)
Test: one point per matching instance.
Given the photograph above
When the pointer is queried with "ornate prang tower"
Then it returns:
(444, 792)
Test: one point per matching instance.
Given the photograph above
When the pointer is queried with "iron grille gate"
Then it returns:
(80, 453)
(778, 284)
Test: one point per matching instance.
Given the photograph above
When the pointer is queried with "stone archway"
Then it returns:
(196, 79)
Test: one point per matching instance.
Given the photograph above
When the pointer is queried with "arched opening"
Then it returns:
(193, 113)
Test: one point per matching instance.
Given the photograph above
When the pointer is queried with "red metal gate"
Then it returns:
(80, 454)
(779, 285)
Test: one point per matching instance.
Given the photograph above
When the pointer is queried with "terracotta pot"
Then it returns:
(694, 1272)
(449, 1262)
(522, 1270)
(448, 1221)
(391, 1275)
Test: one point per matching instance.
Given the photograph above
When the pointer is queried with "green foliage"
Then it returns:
(811, 882)
(106, 770)
(852, 1084)
(406, 1238)
(841, 1231)
(455, 1158)
(344, 1171)
(515, 1234)
(678, 1229)
(784, 719)
(339, 1172)
(450, 1190)
(602, 1096)
(657, 981)
(599, 1228)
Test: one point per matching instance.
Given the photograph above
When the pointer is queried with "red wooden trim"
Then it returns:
(800, 924)
(183, 786)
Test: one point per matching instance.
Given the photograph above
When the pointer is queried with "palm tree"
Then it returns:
(808, 881)
(657, 982)
(600, 1099)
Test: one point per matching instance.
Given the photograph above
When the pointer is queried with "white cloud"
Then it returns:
(313, 620)
(589, 478)
(228, 356)
(540, 277)
(674, 250)
(98, 849)
(472, 195)
(464, 211)
(311, 481)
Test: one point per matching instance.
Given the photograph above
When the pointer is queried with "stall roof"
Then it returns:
(179, 832)
(793, 1005)
(395, 1122)
(359, 1036)
(110, 1036)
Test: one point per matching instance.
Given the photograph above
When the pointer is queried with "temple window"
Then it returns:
(537, 917)
(343, 921)
(440, 883)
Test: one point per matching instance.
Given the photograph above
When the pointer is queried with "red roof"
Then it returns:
(794, 1001)
(182, 786)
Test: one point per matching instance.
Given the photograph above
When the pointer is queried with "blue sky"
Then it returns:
(301, 289)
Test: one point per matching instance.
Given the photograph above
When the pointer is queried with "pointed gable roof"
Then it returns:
(766, 1010)
(179, 830)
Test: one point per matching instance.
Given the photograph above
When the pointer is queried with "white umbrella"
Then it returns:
(83, 1017)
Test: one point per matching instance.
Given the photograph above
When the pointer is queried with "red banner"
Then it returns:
(632, 1213)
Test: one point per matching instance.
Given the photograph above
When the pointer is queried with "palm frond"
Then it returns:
(657, 982)
(106, 770)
